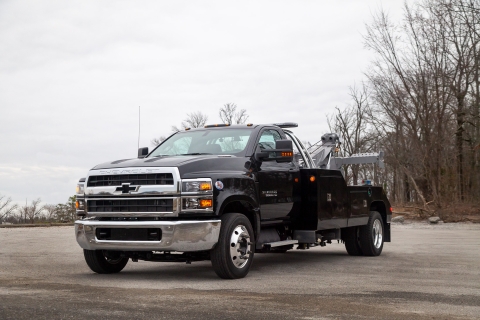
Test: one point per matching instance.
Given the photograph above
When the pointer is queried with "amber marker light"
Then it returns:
(205, 186)
(77, 204)
(206, 203)
(287, 154)
(312, 178)
(296, 179)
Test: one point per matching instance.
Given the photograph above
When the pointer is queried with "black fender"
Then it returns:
(238, 195)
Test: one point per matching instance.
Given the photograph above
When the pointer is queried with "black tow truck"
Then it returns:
(224, 193)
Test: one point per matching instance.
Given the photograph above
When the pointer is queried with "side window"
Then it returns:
(268, 138)
(267, 141)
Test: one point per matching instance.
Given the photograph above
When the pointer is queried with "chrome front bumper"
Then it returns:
(183, 236)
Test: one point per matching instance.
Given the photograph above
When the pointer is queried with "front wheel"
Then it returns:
(232, 256)
(102, 261)
(371, 235)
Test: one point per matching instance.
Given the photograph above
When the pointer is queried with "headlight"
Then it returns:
(197, 203)
(80, 188)
(197, 186)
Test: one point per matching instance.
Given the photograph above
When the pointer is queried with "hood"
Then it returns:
(173, 161)
(187, 165)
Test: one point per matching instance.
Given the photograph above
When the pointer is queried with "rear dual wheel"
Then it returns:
(366, 240)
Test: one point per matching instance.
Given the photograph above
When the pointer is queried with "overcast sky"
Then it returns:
(73, 74)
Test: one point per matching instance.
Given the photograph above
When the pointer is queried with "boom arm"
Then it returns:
(324, 153)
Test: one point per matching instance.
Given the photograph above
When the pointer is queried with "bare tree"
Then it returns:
(34, 210)
(156, 141)
(351, 124)
(229, 114)
(193, 120)
(424, 97)
(6, 207)
(50, 212)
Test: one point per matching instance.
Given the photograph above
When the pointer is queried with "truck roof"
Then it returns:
(248, 125)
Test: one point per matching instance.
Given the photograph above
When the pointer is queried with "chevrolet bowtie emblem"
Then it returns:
(126, 188)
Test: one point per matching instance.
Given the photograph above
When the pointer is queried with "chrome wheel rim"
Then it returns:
(240, 249)
(377, 233)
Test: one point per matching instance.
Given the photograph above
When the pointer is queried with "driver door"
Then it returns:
(275, 181)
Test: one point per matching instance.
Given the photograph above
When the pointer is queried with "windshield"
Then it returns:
(216, 141)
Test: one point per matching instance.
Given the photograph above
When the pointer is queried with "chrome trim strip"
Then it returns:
(183, 236)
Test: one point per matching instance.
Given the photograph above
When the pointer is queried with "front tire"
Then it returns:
(101, 261)
(232, 256)
(371, 235)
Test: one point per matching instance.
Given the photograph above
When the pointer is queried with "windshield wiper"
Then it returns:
(193, 154)
(161, 155)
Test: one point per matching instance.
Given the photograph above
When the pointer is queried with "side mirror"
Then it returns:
(142, 152)
(283, 152)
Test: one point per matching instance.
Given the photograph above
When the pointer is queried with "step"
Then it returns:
(280, 243)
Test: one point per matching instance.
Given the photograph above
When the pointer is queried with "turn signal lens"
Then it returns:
(296, 179)
(312, 178)
(205, 186)
(206, 203)
(80, 205)
(287, 154)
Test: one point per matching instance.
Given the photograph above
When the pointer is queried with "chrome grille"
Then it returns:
(133, 179)
(130, 205)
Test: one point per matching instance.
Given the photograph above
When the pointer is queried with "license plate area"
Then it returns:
(129, 234)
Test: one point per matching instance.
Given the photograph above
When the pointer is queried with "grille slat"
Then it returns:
(139, 205)
(133, 179)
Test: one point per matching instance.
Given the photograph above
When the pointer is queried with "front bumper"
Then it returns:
(183, 236)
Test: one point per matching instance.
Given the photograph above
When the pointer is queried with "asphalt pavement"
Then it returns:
(426, 272)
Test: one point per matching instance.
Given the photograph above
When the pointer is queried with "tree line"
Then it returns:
(35, 212)
(420, 103)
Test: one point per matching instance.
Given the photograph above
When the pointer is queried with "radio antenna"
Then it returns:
(138, 144)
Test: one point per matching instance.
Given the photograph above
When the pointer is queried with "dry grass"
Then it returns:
(455, 212)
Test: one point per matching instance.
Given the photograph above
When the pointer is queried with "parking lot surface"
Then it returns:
(426, 272)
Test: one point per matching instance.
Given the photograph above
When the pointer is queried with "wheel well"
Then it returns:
(244, 208)
(380, 207)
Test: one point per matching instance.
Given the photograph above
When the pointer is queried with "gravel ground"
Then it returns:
(426, 272)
